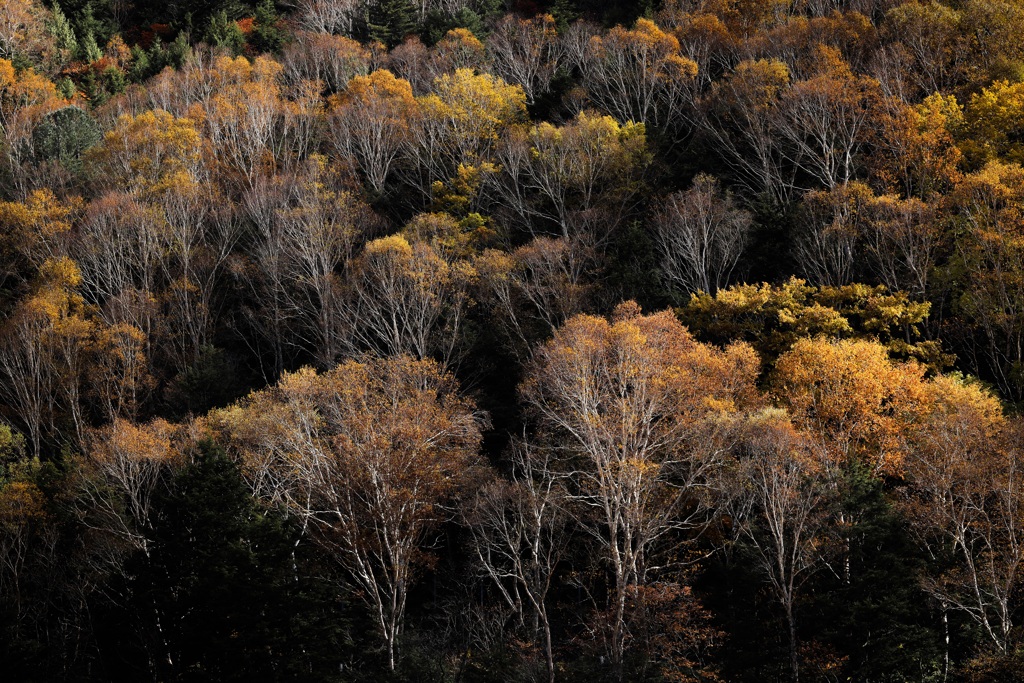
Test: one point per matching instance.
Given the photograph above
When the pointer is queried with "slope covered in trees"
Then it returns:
(472, 340)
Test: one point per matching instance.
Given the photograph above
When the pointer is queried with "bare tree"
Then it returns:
(903, 239)
(318, 233)
(520, 534)
(833, 224)
(536, 288)
(701, 234)
(526, 52)
(327, 16)
(326, 59)
(780, 509)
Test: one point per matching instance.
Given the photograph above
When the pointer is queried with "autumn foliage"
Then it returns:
(463, 340)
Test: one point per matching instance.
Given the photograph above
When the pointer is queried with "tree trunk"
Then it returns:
(794, 656)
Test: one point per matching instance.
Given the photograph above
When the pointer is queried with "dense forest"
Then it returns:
(478, 340)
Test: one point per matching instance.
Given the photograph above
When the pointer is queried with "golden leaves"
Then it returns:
(857, 401)
(149, 152)
(476, 106)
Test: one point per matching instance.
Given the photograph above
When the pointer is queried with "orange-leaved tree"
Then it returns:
(368, 455)
(966, 504)
(853, 400)
(642, 415)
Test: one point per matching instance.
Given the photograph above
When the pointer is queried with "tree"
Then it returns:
(20, 24)
(458, 49)
(915, 153)
(739, 116)
(701, 234)
(460, 124)
(781, 510)
(266, 35)
(852, 400)
(368, 455)
(988, 207)
(148, 153)
(41, 360)
(252, 128)
(826, 247)
(641, 412)
(703, 37)
(312, 238)
(25, 98)
(406, 299)
(773, 318)
(24, 519)
(966, 502)
(327, 16)
(992, 124)
(991, 26)
(389, 21)
(64, 135)
(930, 33)
(581, 177)
(330, 60)
(525, 52)
(124, 466)
(823, 121)
(639, 75)
(536, 288)
(38, 229)
(903, 239)
(410, 61)
(118, 373)
(370, 124)
(234, 583)
(119, 248)
(520, 534)
(116, 482)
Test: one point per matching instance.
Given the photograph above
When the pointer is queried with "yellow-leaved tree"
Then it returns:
(460, 124)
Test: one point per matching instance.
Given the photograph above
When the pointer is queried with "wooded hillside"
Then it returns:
(476, 340)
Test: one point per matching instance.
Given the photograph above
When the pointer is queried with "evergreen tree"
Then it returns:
(223, 32)
(63, 135)
(267, 35)
(61, 30)
(390, 21)
(229, 592)
(90, 50)
(875, 612)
